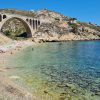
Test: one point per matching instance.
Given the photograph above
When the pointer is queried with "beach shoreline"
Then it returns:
(9, 89)
(14, 47)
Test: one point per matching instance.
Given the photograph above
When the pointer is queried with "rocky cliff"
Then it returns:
(55, 27)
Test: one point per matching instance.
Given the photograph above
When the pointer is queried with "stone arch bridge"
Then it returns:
(30, 24)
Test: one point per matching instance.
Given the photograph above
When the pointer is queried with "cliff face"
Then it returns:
(51, 32)
(55, 27)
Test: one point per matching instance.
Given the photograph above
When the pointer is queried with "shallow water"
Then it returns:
(60, 71)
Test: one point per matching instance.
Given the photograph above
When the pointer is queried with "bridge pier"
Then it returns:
(30, 22)
(38, 22)
(33, 23)
(0, 17)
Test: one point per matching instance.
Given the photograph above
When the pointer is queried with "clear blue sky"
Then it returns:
(83, 10)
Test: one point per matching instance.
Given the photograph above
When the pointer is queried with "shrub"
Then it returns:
(74, 28)
(7, 33)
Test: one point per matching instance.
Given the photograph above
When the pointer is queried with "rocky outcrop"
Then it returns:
(49, 16)
(50, 32)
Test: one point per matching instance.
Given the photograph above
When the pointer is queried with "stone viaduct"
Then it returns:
(30, 24)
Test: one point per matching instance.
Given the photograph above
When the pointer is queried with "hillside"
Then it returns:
(54, 26)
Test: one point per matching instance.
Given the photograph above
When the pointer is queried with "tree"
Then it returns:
(74, 28)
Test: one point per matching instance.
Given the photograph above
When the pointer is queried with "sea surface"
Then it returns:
(59, 70)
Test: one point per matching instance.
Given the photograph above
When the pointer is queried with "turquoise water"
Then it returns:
(60, 71)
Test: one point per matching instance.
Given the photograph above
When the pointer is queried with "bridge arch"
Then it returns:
(27, 26)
